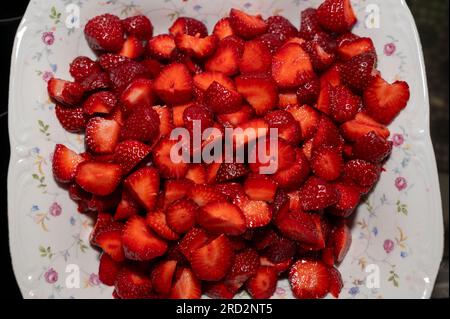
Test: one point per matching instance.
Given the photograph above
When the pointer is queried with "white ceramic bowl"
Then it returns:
(399, 230)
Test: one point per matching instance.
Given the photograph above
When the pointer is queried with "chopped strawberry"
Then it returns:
(127, 207)
(324, 99)
(203, 80)
(279, 267)
(257, 213)
(332, 76)
(264, 283)
(230, 171)
(197, 113)
(189, 26)
(327, 134)
(65, 92)
(348, 200)
(142, 125)
(236, 118)
(361, 125)
(132, 48)
(157, 221)
(110, 241)
(278, 155)
(109, 61)
(104, 33)
(259, 90)
(308, 92)
(282, 27)
(176, 189)
(65, 163)
(272, 41)
(247, 26)
(181, 214)
(361, 173)
(102, 135)
(194, 239)
(138, 93)
(153, 67)
(81, 67)
(143, 185)
(218, 290)
(221, 217)
(336, 283)
(320, 51)
(225, 59)
(108, 270)
(123, 74)
(307, 117)
(132, 284)
(204, 194)
(256, 58)
(309, 26)
(230, 190)
(98, 178)
(71, 119)
(96, 81)
(344, 105)
(185, 285)
(161, 46)
(384, 101)
(281, 250)
(294, 175)
(317, 194)
(288, 127)
(327, 163)
(139, 26)
(197, 174)
(129, 153)
(100, 102)
(350, 48)
(194, 46)
(103, 221)
(341, 239)
(165, 120)
(222, 100)
(260, 187)
(174, 84)
(286, 99)
(309, 279)
(223, 29)
(162, 275)
(336, 15)
(245, 265)
(358, 72)
(372, 148)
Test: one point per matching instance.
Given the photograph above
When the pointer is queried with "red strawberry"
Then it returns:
(65, 163)
(194, 239)
(278, 155)
(98, 178)
(123, 74)
(110, 241)
(256, 58)
(372, 148)
(109, 61)
(143, 185)
(197, 174)
(341, 239)
(132, 48)
(307, 149)
(180, 215)
(280, 250)
(96, 81)
(127, 207)
(327, 163)
(138, 93)
(71, 119)
(129, 153)
(165, 120)
(139, 242)
(291, 66)
(142, 125)
(343, 104)
(65, 92)
(204, 194)
(174, 84)
(153, 67)
(189, 26)
(361, 173)
(218, 290)
(163, 161)
(222, 100)
(103, 221)
(161, 46)
(264, 237)
(307, 117)
(230, 171)
(358, 72)
(221, 217)
(257, 213)
(309, 279)
(324, 99)
(350, 48)
(102, 135)
(260, 187)
(237, 118)
(322, 57)
(348, 200)
(203, 80)
(157, 221)
(384, 101)
(81, 67)
(76, 193)
(162, 275)
(317, 194)
(259, 90)
(308, 92)
(279, 267)
(272, 41)
(247, 26)
(309, 26)
(139, 26)
(336, 283)
(223, 29)
(176, 189)
(104, 33)
(286, 99)
(264, 283)
(346, 38)
(226, 58)
(108, 269)
(185, 285)
(132, 284)
(100, 102)
(327, 134)
(201, 115)
(288, 127)
(361, 125)
(196, 47)
(336, 15)
(245, 265)
(332, 76)
(282, 27)
(230, 190)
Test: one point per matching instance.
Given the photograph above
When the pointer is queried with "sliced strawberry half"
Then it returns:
(142, 125)
(361, 125)
(185, 285)
(143, 184)
(161, 46)
(110, 241)
(195, 46)
(65, 92)
(130, 153)
(352, 47)
(162, 158)
(309, 25)
(264, 283)
(237, 118)
(256, 58)
(230, 171)
(348, 200)
(344, 105)
(259, 90)
(327, 163)
(226, 58)
(175, 189)
(288, 127)
(72, 119)
(132, 48)
(138, 93)
(260, 187)
(189, 26)
(162, 276)
(307, 117)
(282, 27)
(245, 265)
(223, 29)
(81, 67)
(133, 284)
(222, 217)
(192, 240)
(309, 279)
(139, 26)
(65, 163)
(205, 194)
(108, 269)
(317, 194)
(102, 135)
(358, 72)
(98, 178)
(174, 84)
(327, 135)
(372, 148)
(127, 207)
(222, 100)
(247, 26)
(257, 213)
(336, 15)
(341, 239)
(102, 102)
(336, 283)
(203, 80)
(124, 73)
(157, 221)
(361, 173)
(180, 215)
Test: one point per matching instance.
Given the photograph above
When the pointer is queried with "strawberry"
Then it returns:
(76, 193)
(327, 134)
(247, 26)
(272, 41)
(245, 265)
(309, 26)
(230, 171)
(264, 237)
(288, 127)
(177, 113)
(197, 174)
(236, 118)
(175, 189)
(142, 125)
(336, 15)
(65, 92)
(96, 81)
(218, 290)
(188, 26)
(204, 194)
(174, 84)
(196, 47)
(257, 213)
(260, 187)
(341, 238)
(348, 200)
(286, 99)
(199, 114)
(263, 284)
(259, 90)
(307, 149)
(322, 57)
(109, 61)
(346, 38)
(309, 279)
(132, 284)
(344, 104)
(291, 66)
(317, 194)
(358, 72)
(102, 135)
(138, 93)
(372, 148)
(185, 285)
(221, 217)
(279, 267)
(226, 58)
(256, 58)
(127, 207)
(165, 120)
(280, 250)
(81, 67)
(110, 241)
(332, 76)
(278, 155)
(100, 102)
(307, 117)
(163, 161)
(222, 100)
(157, 221)
(139, 26)
(204, 80)
(123, 74)
(230, 190)
(180, 215)
(108, 270)
(336, 283)
(384, 101)
(223, 29)
(129, 153)
(65, 163)
(192, 240)
(103, 221)
(162, 275)
(361, 173)
(308, 92)
(361, 125)
(282, 27)
(161, 47)
(324, 99)
(71, 119)
(104, 33)
(132, 48)
(153, 67)
(139, 242)
(352, 47)
(327, 163)
(143, 185)
(98, 178)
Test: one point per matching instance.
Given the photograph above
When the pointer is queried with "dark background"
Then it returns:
(432, 21)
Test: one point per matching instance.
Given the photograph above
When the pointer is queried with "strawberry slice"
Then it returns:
(336, 15)
(358, 72)
(162, 159)
(142, 125)
(288, 127)
(309, 279)
(161, 47)
(348, 200)
(65, 92)
(143, 185)
(109, 61)
(110, 241)
(236, 118)
(130, 153)
(332, 76)
(291, 66)
(197, 174)
(185, 285)
(139, 242)
(341, 239)
(317, 194)
(157, 221)
(324, 99)
(259, 90)
(247, 26)
(361, 125)
(222, 100)
(225, 59)
(165, 119)
(177, 113)
(180, 215)
(195, 46)
(223, 29)
(104, 33)
(327, 163)
(162, 275)
(327, 135)
(307, 117)
(230, 190)
(264, 283)
(336, 283)
(279, 267)
(260, 187)
(127, 207)
(361, 173)
(272, 41)
(81, 67)
(72, 119)
(174, 84)
(286, 99)
(309, 26)
(102, 135)
(230, 171)
(203, 80)
(321, 51)
(205, 194)
(222, 217)
(103, 221)
(372, 148)
(65, 163)
(133, 284)
(278, 155)
(138, 93)
(139, 26)
(280, 250)
(308, 92)
(257, 213)
(245, 265)
(132, 48)
(212, 261)
(175, 189)
(100, 102)
(350, 48)
(384, 101)
(256, 58)
(344, 105)
(218, 290)
(194, 239)
(108, 269)
(188, 26)
(282, 27)
(96, 81)
(124, 73)
(98, 178)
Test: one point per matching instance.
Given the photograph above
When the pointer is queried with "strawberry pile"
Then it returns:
(180, 230)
